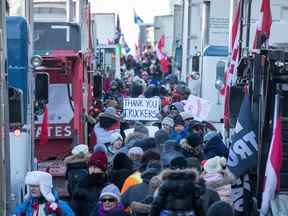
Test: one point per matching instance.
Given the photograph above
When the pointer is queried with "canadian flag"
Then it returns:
(162, 57)
(43, 138)
(230, 75)
(273, 165)
(263, 25)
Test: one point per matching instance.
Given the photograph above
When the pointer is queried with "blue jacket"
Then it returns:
(178, 136)
(26, 207)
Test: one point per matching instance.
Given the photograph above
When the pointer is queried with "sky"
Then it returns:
(146, 9)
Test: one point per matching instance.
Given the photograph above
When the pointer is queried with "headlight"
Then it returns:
(195, 75)
(219, 85)
(36, 61)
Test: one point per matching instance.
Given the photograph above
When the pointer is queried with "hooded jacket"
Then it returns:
(179, 192)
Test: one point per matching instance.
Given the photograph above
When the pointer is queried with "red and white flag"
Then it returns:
(230, 76)
(273, 166)
(263, 25)
(162, 57)
(43, 138)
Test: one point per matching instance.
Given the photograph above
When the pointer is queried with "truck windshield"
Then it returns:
(49, 36)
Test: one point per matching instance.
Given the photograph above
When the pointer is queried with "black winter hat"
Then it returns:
(178, 120)
(121, 161)
(194, 140)
(220, 208)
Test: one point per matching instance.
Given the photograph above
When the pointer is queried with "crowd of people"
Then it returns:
(179, 170)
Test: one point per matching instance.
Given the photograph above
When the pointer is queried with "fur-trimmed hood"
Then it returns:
(191, 174)
(77, 159)
(184, 145)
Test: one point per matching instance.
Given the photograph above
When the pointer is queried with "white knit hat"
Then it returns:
(136, 151)
(80, 149)
(214, 165)
(168, 121)
(112, 191)
(44, 181)
(115, 136)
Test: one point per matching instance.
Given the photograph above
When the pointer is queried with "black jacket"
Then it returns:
(179, 191)
(86, 196)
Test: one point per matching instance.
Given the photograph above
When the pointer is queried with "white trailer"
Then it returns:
(104, 27)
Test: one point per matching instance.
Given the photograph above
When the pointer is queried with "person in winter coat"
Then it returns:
(41, 199)
(121, 168)
(109, 122)
(140, 191)
(85, 198)
(179, 131)
(116, 143)
(179, 194)
(143, 208)
(167, 124)
(191, 146)
(135, 154)
(76, 167)
(109, 200)
(213, 173)
(214, 146)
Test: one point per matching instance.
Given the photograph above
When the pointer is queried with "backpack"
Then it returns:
(74, 177)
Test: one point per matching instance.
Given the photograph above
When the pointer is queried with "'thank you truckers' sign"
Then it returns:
(146, 109)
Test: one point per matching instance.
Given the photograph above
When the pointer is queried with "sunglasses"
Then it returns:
(108, 200)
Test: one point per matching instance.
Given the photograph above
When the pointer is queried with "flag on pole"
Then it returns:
(43, 138)
(162, 57)
(137, 20)
(263, 26)
(273, 164)
(118, 32)
(231, 72)
(125, 45)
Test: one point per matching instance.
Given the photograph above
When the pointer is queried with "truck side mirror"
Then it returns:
(16, 106)
(97, 86)
(41, 87)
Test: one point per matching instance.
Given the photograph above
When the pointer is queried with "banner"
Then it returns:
(146, 109)
(243, 151)
(200, 108)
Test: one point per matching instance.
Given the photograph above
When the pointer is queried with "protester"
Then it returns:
(76, 167)
(41, 198)
(116, 143)
(167, 124)
(179, 194)
(108, 124)
(138, 192)
(213, 175)
(121, 168)
(109, 200)
(191, 146)
(179, 131)
(85, 198)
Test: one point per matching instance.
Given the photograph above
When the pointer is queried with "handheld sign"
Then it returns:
(146, 109)
(200, 108)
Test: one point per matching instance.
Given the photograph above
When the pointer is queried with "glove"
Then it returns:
(53, 208)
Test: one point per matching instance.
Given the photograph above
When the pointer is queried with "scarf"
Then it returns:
(102, 212)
